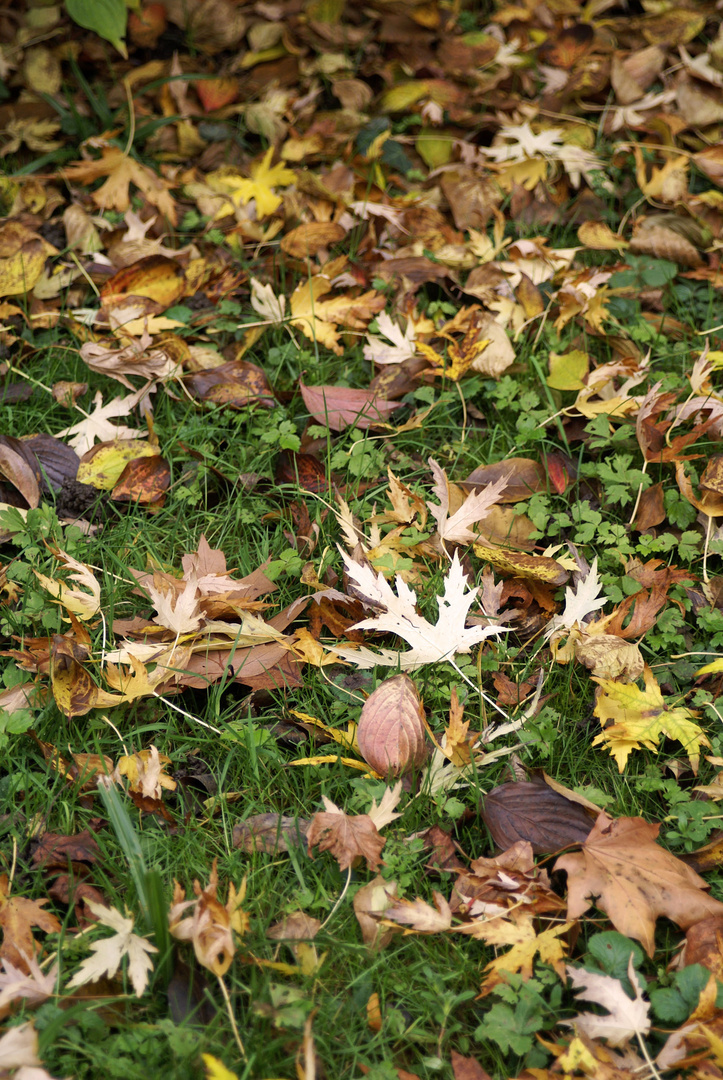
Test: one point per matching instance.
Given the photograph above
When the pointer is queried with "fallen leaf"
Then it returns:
(622, 870)
(18, 916)
(338, 407)
(211, 925)
(349, 837)
(476, 506)
(109, 952)
(636, 718)
(624, 1018)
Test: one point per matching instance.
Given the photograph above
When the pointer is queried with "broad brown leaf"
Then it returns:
(633, 880)
(348, 837)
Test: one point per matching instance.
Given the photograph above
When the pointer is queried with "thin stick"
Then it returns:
(188, 715)
(708, 531)
(232, 1018)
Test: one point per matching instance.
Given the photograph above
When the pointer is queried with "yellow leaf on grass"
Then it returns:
(600, 237)
(567, 370)
(104, 468)
(347, 738)
(259, 186)
(641, 717)
(526, 945)
(83, 602)
(216, 1070)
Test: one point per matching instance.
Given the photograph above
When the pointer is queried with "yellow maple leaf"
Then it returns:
(259, 186)
(526, 945)
(318, 318)
(640, 717)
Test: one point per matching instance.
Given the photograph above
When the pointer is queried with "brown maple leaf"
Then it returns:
(348, 837)
(622, 870)
(18, 916)
(121, 171)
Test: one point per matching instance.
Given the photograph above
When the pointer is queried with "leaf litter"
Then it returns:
(412, 207)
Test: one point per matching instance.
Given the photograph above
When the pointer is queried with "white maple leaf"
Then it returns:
(109, 952)
(266, 303)
(34, 988)
(518, 141)
(579, 602)
(384, 813)
(19, 1048)
(430, 643)
(475, 507)
(98, 425)
(625, 1017)
(401, 348)
(180, 612)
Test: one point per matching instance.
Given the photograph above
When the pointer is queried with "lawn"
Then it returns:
(361, 489)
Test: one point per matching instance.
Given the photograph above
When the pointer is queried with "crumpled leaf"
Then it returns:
(430, 643)
(109, 952)
(32, 987)
(622, 870)
(83, 599)
(624, 1018)
(212, 924)
(18, 916)
(134, 359)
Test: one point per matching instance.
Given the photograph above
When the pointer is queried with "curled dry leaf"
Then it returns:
(371, 902)
(211, 924)
(391, 732)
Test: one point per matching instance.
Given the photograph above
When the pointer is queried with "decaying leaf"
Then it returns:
(209, 924)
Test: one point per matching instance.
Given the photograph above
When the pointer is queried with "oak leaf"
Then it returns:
(641, 717)
(110, 951)
(622, 870)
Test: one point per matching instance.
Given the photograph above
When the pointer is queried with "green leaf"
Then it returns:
(106, 18)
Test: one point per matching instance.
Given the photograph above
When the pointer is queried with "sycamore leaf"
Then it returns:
(430, 643)
(475, 507)
(211, 924)
(109, 952)
(18, 916)
(622, 870)
(121, 171)
(636, 718)
(83, 601)
(624, 1018)
(348, 837)
(579, 602)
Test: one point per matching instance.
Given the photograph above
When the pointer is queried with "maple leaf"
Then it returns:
(317, 318)
(402, 346)
(348, 837)
(430, 643)
(518, 932)
(641, 717)
(264, 177)
(474, 508)
(624, 1019)
(19, 1050)
(622, 870)
(109, 952)
(18, 916)
(178, 611)
(266, 303)
(137, 358)
(97, 424)
(122, 171)
(579, 602)
(145, 774)
(82, 601)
